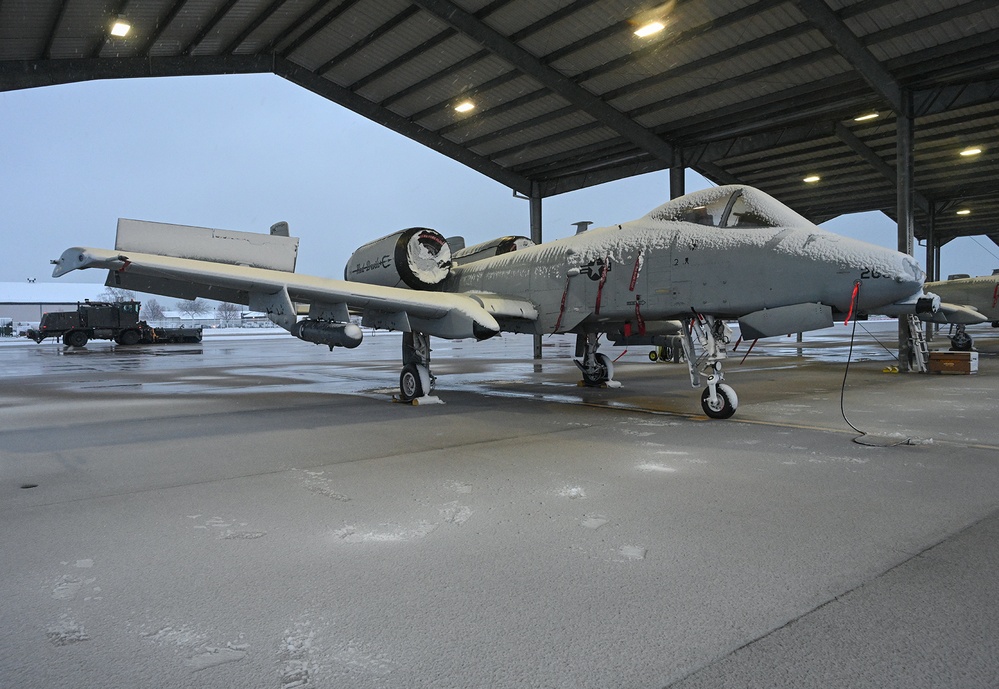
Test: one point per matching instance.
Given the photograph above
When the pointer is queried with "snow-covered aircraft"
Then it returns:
(729, 252)
(980, 293)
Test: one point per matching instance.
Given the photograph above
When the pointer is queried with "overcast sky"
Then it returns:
(243, 152)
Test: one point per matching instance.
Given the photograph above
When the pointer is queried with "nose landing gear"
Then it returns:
(718, 400)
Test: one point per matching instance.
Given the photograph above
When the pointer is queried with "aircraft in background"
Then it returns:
(978, 293)
(729, 252)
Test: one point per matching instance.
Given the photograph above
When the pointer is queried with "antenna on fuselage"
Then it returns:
(582, 226)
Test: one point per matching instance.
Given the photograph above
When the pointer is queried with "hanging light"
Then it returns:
(653, 27)
(868, 116)
(121, 27)
(811, 179)
(971, 151)
(465, 106)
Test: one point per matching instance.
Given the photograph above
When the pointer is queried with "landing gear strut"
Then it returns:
(597, 369)
(415, 380)
(718, 400)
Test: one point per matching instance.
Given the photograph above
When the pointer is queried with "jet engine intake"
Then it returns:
(331, 334)
(419, 258)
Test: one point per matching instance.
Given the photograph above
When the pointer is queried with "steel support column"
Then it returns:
(677, 182)
(536, 237)
(904, 144)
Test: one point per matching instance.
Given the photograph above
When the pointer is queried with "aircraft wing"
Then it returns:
(441, 314)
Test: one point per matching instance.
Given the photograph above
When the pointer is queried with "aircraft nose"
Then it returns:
(899, 280)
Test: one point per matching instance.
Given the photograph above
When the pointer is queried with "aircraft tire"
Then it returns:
(653, 356)
(410, 383)
(961, 342)
(728, 402)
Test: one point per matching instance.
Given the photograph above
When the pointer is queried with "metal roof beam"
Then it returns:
(53, 27)
(143, 45)
(557, 82)
(875, 161)
(21, 74)
(851, 48)
(208, 27)
(255, 24)
(352, 101)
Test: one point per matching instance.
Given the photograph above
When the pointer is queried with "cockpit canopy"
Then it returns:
(730, 206)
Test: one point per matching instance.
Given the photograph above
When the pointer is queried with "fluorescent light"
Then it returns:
(649, 29)
(868, 116)
(964, 211)
(811, 179)
(972, 151)
(465, 106)
(120, 28)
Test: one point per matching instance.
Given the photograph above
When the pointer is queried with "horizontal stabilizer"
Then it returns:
(253, 249)
(784, 320)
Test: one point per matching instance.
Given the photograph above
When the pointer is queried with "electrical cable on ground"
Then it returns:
(842, 391)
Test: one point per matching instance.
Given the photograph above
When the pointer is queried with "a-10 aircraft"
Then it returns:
(725, 253)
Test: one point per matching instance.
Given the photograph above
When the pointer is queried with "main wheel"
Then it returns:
(725, 405)
(129, 338)
(961, 342)
(410, 383)
(77, 338)
(604, 371)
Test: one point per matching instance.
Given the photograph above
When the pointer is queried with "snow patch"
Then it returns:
(632, 553)
(594, 521)
(453, 513)
(393, 533)
(295, 664)
(655, 467)
(572, 492)
(66, 631)
(213, 657)
(319, 484)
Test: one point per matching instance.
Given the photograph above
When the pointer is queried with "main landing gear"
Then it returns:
(415, 381)
(718, 400)
(597, 368)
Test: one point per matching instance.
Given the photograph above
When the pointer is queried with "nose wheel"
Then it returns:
(723, 405)
(718, 400)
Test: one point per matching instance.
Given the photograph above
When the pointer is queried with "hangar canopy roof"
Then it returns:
(566, 95)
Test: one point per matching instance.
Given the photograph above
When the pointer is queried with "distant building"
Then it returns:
(25, 302)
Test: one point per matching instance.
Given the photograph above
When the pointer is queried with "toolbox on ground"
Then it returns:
(953, 362)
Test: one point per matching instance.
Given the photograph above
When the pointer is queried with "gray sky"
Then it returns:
(243, 152)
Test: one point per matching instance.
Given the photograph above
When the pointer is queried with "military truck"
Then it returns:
(99, 320)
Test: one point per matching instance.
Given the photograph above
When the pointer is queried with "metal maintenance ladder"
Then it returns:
(917, 343)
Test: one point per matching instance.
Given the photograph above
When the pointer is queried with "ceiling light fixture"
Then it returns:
(964, 211)
(811, 179)
(971, 151)
(120, 28)
(465, 106)
(649, 29)
(868, 116)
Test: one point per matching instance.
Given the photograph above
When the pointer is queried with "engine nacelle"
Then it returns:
(331, 334)
(494, 247)
(419, 258)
